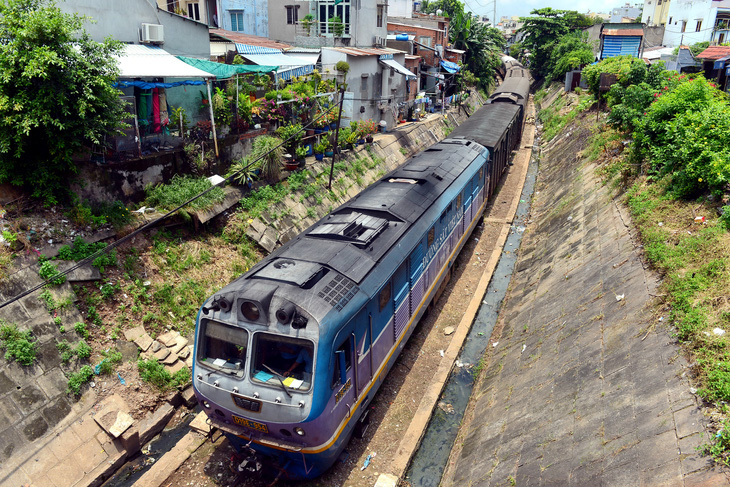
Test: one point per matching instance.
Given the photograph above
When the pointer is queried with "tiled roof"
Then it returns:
(240, 38)
(623, 32)
(713, 53)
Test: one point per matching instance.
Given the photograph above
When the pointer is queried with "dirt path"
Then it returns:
(397, 401)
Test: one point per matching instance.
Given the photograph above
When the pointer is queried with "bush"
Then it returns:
(179, 190)
(686, 133)
(155, 373)
(18, 345)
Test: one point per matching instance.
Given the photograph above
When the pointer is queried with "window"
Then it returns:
(237, 20)
(699, 26)
(194, 11)
(171, 4)
(292, 14)
(384, 296)
(327, 11)
(684, 24)
(343, 349)
(670, 21)
(425, 40)
(379, 18)
(223, 347)
(364, 82)
(276, 357)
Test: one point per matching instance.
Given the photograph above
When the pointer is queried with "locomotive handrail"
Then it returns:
(298, 405)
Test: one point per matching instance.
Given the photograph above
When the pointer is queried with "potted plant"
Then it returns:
(336, 25)
(319, 149)
(291, 135)
(301, 155)
(270, 148)
(243, 172)
(307, 23)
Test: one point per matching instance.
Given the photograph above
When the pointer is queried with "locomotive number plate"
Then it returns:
(254, 425)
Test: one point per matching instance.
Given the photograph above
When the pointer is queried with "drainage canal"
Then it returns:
(429, 461)
(131, 471)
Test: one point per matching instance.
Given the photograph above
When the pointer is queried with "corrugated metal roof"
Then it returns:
(623, 32)
(714, 53)
(241, 38)
(414, 26)
(365, 51)
(139, 61)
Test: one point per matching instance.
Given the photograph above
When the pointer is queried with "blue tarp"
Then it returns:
(147, 85)
(450, 67)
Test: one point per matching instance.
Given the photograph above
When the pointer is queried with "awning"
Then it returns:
(225, 71)
(310, 57)
(720, 63)
(393, 64)
(288, 66)
(138, 61)
(250, 49)
(450, 67)
(148, 85)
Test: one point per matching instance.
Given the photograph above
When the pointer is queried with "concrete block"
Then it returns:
(386, 480)
(168, 339)
(171, 461)
(130, 440)
(170, 359)
(200, 424)
(143, 341)
(150, 426)
(161, 354)
(134, 333)
(180, 343)
(188, 396)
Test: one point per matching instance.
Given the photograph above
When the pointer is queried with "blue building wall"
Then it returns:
(246, 16)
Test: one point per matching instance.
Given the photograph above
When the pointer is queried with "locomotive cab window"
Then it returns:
(281, 359)
(223, 347)
(384, 297)
(342, 351)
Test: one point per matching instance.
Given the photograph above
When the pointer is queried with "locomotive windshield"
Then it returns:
(282, 360)
(223, 347)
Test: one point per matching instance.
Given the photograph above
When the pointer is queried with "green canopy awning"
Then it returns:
(224, 71)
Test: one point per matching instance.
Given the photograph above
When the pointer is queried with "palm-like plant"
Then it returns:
(269, 149)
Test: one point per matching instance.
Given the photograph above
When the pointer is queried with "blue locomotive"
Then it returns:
(289, 355)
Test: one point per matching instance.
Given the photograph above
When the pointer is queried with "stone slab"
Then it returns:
(171, 461)
(168, 339)
(175, 366)
(180, 343)
(200, 423)
(134, 333)
(143, 341)
(161, 354)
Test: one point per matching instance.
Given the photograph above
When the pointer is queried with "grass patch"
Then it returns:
(179, 190)
(155, 373)
(18, 345)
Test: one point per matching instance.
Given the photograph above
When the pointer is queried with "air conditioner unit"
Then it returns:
(152, 33)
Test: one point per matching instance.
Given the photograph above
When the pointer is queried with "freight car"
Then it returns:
(289, 356)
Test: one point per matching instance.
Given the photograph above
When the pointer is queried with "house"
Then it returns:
(655, 12)
(143, 22)
(621, 40)
(244, 16)
(223, 44)
(693, 21)
(716, 65)
(205, 11)
(377, 87)
(626, 14)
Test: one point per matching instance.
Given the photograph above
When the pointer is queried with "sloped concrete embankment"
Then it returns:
(584, 385)
(291, 216)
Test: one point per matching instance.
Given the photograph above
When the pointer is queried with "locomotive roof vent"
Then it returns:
(353, 227)
(296, 272)
(403, 180)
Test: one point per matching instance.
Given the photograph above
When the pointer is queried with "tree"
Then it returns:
(481, 43)
(572, 51)
(56, 95)
(544, 30)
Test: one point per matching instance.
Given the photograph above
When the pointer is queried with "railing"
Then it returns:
(316, 28)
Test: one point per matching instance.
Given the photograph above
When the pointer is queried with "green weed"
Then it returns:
(155, 373)
(18, 345)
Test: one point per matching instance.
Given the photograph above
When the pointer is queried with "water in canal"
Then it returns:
(427, 465)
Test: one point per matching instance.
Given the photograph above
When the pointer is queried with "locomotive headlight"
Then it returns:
(206, 404)
(299, 431)
(250, 311)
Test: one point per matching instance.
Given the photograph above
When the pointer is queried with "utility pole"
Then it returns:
(337, 134)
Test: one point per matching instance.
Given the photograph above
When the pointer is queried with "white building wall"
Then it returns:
(400, 8)
(685, 15)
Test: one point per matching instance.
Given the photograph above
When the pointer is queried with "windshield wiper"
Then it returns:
(278, 376)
